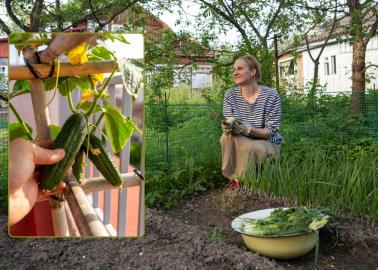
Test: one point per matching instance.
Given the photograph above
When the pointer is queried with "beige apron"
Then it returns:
(239, 150)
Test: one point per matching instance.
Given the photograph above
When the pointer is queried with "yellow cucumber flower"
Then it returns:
(78, 55)
(97, 78)
(95, 151)
(86, 94)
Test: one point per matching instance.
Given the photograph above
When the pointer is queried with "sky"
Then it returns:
(192, 10)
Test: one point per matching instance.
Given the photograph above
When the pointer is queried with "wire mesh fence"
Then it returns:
(175, 132)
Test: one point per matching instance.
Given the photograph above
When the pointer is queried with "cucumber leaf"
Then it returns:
(17, 130)
(119, 128)
(54, 131)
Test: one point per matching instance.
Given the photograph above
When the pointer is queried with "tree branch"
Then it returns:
(94, 14)
(372, 31)
(369, 66)
(35, 17)
(4, 27)
(231, 20)
(275, 15)
(14, 17)
(116, 14)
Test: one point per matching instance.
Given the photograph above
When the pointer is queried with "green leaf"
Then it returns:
(86, 105)
(21, 85)
(54, 131)
(113, 37)
(69, 84)
(318, 223)
(17, 130)
(118, 127)
(100, 53)
(49, 83)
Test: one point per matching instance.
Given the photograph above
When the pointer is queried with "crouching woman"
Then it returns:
(252, 113)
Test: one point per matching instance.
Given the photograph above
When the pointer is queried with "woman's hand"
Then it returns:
(242, 128)
(23, 186)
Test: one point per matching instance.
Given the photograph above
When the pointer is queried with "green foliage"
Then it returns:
(118, 127)
(19, 130)
(216, 234)
(334, 151)
(344, 175)
(281, 222)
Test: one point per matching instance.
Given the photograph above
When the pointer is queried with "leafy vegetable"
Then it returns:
(283, 222)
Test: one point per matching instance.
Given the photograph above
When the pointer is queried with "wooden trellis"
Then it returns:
(72, 214)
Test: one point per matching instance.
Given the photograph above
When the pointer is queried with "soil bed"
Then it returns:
(168, 244)
(196, 234)
(353, 246)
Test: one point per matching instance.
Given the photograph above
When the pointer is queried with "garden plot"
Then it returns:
(196, 234)
(168, 244)
(354, 246)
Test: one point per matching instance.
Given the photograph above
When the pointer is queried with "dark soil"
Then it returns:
(350, 246)
(168, 244)
(196, 234)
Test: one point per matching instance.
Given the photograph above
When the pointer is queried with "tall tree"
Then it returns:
(257, 22)
(320, 23)
(363, 26)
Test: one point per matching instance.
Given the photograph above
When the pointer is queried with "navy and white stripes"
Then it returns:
(264, 113)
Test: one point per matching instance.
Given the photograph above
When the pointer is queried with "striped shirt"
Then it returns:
(264, 113)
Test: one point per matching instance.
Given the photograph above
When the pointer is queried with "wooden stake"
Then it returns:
(74, 231)
(42, 121)
(21, 72)
(99, 183)
(85, 216)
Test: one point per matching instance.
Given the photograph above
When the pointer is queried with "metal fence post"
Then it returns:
(166, 127)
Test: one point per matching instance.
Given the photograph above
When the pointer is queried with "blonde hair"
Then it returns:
(252, 64)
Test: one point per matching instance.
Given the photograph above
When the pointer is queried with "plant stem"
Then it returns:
(70, 103)
(93, 106)
(97, 123)
(13, 109)
(316, 250)
(19, 93)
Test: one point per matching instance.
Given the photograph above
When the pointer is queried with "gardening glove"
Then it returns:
(228, 125)
(242, 128)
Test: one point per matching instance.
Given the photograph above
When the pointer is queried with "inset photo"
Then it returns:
(76, 135)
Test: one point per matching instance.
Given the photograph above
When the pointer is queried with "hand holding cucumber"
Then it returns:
(24, 192)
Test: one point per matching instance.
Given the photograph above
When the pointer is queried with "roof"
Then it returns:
(319, 34)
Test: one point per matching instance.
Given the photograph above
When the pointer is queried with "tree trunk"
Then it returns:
(358, 76)
(315, 78)
(35, 17)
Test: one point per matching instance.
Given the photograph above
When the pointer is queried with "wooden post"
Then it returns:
(42, 121)
(85, 216)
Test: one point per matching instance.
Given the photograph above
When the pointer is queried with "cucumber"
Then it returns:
(77, 168)
(103, 161)
(70, 138)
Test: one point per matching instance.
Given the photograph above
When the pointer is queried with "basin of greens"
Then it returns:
(280, 222)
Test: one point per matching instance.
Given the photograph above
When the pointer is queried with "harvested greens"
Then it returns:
(283, 222)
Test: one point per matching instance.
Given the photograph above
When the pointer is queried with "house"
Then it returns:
(200, 74)
(335, 64)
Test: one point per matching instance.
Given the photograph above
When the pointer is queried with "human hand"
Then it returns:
(23, 185)
(228, 125)
(242, 128)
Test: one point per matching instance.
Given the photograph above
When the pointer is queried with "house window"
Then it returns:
(333, 64)
(326, 66)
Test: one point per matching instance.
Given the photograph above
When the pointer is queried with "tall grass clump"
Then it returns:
(318, 176)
